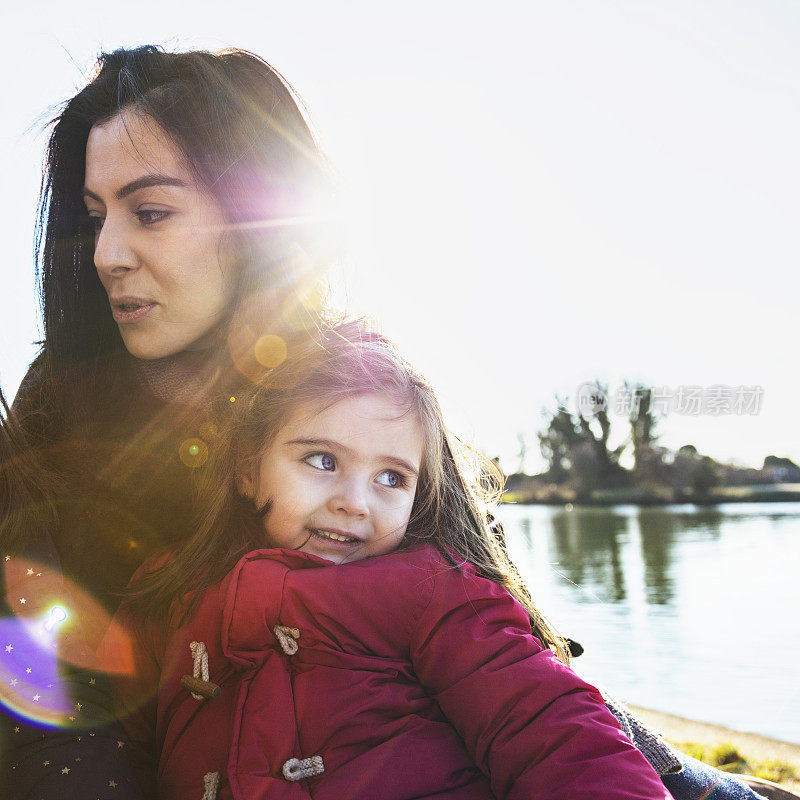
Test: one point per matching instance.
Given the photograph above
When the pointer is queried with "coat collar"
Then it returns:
(253, 601)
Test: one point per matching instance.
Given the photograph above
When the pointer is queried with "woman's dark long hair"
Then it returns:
(27, 510)
(244, 136)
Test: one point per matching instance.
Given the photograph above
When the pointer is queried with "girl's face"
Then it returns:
(340, 481)
(159, 248)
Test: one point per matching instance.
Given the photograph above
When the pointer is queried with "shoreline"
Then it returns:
(532, 493)
(656, 502)
(681, 729)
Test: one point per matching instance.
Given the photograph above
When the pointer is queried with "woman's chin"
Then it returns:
(150, 351)
(151, 348)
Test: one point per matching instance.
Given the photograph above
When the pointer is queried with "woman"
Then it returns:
(182, 243)
(176, 199)
(183, 230)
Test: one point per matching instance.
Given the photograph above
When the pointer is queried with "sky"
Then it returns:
(538, 195)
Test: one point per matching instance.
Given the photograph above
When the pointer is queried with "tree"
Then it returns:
(576, 447)
(522, 453)
(558, 441)
(694, 474)
(647, 458)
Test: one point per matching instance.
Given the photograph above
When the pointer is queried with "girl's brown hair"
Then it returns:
(456, 489)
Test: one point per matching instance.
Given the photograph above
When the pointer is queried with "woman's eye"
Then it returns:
(391, 478)
(324, 461)
(150, 216)
(96, 223)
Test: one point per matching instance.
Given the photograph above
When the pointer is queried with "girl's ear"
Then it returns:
(245, 480)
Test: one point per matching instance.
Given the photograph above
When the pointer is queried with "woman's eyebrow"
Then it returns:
(145, 182)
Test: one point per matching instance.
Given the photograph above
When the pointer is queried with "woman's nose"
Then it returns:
(113, 252)
(351, 497)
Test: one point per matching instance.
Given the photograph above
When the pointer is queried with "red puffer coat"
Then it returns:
(411, 679)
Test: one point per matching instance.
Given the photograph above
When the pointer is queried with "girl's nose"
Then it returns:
(351, 498)
(113, 253)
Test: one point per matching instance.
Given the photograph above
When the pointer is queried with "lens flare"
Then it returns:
(57, 615)
(302, 308)
(270, 351)
(60, 627)
(30, 684)
(193, 453)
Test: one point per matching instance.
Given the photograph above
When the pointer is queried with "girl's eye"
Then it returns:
(96, 223)
(391, 479)
(323, 461)
(150, 216)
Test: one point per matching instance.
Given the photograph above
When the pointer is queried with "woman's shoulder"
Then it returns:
(49, 399)
(35, 403)
(32, 381)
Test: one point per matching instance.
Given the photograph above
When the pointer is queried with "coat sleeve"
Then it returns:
(530, 723)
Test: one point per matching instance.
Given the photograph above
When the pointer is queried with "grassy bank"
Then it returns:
(728, 749)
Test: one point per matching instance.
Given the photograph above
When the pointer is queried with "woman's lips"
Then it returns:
(125, 310)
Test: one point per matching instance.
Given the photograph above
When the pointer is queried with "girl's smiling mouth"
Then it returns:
(332, 535)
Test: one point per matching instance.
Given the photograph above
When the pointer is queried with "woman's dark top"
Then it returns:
(124, 494)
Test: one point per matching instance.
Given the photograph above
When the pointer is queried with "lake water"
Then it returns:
(693, 611)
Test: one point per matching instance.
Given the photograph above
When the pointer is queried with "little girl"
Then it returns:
(370, 638)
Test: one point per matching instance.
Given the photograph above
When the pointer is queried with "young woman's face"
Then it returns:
(160, 249)
(340, 481)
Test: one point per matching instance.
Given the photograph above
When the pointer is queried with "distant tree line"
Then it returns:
(583, 463)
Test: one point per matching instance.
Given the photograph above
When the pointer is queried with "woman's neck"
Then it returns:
(185, 378)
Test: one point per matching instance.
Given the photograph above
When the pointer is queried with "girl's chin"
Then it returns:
(338, 552)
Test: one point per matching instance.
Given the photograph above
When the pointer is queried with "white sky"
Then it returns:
(548, 192)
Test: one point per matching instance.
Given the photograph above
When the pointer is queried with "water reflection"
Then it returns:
(586, 544)
(660, 598)
(597, 549)
(525, 530)
(660, 531)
